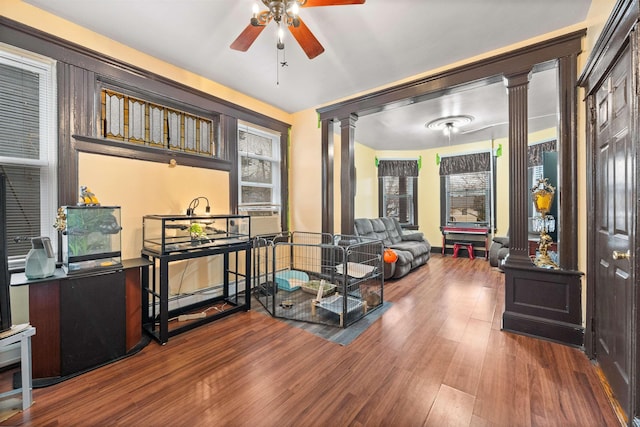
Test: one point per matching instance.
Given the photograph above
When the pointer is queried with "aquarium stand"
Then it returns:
(167, 240)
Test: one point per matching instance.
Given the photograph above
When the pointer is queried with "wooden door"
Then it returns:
(614, 218)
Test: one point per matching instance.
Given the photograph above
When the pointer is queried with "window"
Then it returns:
(398, 190)
(259, 170)
(468, 198)
(28, 148)
(133, 120)
(466, 182)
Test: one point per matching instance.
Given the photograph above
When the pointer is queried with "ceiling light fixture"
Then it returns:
(281, 11)
(449, 124)
(285, 12)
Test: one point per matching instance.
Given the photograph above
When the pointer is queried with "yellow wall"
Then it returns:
(143, 188)
(366, 202)
(305, 184)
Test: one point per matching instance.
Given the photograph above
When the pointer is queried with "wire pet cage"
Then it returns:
(317, 277)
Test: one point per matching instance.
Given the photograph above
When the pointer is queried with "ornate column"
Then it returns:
(517, 88)
(539, 302)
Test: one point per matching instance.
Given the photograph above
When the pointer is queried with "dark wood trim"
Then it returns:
(229, 127)
(506, 63)
(568, 163)
(635, 322)
(67, 156)
(592, 266)
(81, 143)
(327, 148)
(610, 43)
(284, 178)
(347, 173)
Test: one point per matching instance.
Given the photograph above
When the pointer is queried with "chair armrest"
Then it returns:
(416, 237)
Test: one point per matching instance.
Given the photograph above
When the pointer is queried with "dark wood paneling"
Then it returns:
(544, 303)
(44, 315)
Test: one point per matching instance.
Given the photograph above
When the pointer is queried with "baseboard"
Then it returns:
(560, 332)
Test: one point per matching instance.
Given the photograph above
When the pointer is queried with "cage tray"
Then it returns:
(335, 304)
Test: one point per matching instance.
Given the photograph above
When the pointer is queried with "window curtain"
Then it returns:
(398, 168)
(467, 163)
(534, 152)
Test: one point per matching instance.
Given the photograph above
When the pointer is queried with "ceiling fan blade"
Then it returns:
(308, 42)
(247, 37)
(314, 3)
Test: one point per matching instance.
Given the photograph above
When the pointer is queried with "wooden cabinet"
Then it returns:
(84, 320)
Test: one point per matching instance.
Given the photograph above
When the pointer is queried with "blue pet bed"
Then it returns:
(290, 280)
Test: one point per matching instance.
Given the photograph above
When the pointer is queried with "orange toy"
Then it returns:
(389, 256)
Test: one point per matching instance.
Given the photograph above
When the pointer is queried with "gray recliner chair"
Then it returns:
(498, 250)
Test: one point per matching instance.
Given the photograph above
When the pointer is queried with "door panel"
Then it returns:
(614, 205)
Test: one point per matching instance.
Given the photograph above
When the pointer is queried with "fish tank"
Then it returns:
(91, 238)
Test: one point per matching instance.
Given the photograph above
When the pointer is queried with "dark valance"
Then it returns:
(398, 168)
(534, 152)
(477, 162)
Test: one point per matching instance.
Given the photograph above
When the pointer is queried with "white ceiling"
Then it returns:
(366, 46)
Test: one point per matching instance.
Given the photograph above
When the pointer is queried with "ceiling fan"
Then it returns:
(285, 12)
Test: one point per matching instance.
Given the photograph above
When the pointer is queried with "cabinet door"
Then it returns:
(92, 321)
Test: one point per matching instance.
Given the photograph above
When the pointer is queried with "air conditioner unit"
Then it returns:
(265, 224)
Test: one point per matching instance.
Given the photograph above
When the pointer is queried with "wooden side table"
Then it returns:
(20, 334)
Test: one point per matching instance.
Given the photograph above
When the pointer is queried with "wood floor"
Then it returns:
(437, 357)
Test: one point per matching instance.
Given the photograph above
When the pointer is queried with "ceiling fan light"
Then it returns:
(255, 10)
(295, 9)
(280, 43)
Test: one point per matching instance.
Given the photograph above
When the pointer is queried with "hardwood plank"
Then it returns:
(451, 408)
(436, 357)
(466, 366)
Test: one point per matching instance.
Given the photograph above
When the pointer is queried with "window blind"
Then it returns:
(469, 197)
(27, 148)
